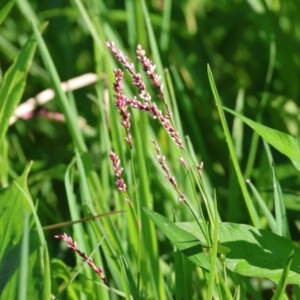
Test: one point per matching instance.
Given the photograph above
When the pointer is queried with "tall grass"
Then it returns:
(180, 177)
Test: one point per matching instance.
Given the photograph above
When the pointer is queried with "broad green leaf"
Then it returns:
(283, 142)
(15, 202)
(185, 242)
(14, 83)
(254, 252)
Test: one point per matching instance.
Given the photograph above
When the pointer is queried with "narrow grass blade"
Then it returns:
(82, 220)
(149, 256)
(165, 26)
(88, 21)
(213, 265)
(61, 96)
(188, 110)
(23, 275)
(132, 290)
(223, 287)
(4, 161)
(237, 127)
(283, 142)
(265, 210)
(136, 24)
(28, 11)
(13, 84)
(237, 293)
(249, 204)
(237, 139)
(283, 279)
(6, 9)
(280, 211)
(154, 48)
(262, 104)
(181, 276)
(183, 269)
(15, 201)
(282, 227)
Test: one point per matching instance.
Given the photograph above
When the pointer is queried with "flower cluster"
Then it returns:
(122, 101)
(122, 104)
(73, 245)
(118, 171)
(149, 68)
(137, 78)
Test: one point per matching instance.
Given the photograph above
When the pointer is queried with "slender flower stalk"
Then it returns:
(121, 183)
(73, 245)
(161, 160)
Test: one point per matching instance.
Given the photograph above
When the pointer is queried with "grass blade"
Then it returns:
(263, 207)
(15, 201)
(13, 84)
(283, 279)
(283, 142)
(6, 9)
(250, 206)
(61, 96)
(23, 279)
(213, 270)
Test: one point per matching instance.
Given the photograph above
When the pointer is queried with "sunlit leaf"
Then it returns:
(283, 142)
(13, 84)
(253, 252)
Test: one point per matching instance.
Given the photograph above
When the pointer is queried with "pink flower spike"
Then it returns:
(118, 171)
(73, 245)
(181, 159)
(172, 180)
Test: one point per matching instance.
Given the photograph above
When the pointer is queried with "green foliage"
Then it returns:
(284, 143)
(207, 251)
(249, 251)
(13, 84)
(23, 251)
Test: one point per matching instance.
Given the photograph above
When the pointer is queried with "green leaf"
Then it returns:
(184, 241)
(254, 252)
(15, 204)
(62, 100)
(129, 280)
(213, 275)
(283, 280)
(5, 10)
(13, 84)
(251, 208)
(283, 142)
(257, 6)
